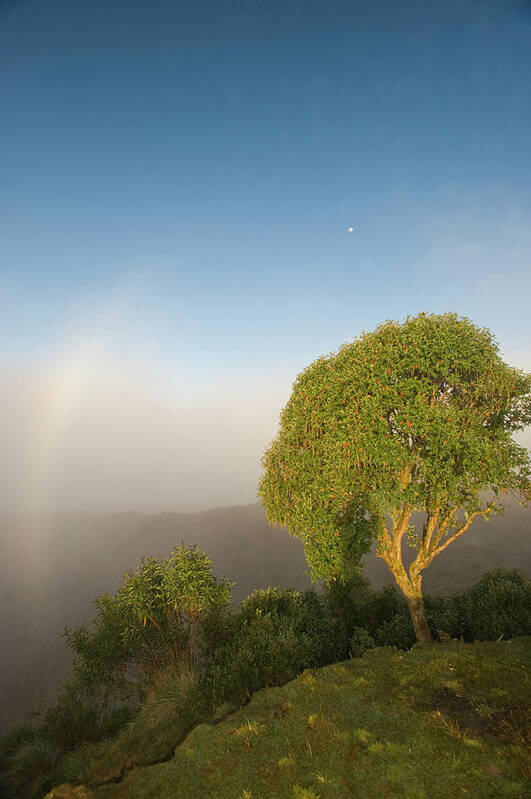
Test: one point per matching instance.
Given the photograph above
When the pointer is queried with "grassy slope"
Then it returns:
(442, 721)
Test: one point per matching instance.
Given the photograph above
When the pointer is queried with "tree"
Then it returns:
(154, 621)
(412, 417)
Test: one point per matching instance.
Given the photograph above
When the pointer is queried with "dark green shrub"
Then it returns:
(82, 716)
(384, 605)
(306, 612)
(29, 768)
(9, 744)
(275, 634)
(397, 631)
(498, 604)
(445, 613)
(348, 604)
(360, 642)
(11, 741)
(263, 654)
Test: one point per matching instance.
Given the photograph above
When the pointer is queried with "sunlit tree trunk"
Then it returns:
(390, 550)
(418, 617)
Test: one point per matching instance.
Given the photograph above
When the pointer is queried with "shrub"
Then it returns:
(9, 743)
(12, 740)
(263, 653)
(305, 611)
(445, 613)
(30, 766)
(83, 716)
(360, 642)
(397, 631)
(383, 606)
(154, 621)
(348, 604)
(498, 604)
(275, 634)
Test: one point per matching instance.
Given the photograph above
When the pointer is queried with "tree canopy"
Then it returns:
(415, 416)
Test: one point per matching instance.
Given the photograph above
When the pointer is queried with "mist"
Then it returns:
(92, 435)
(101, 439)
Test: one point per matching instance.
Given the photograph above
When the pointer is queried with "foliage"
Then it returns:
(499, 604)
(412, 417)
(145, 644)
(397, 631)
(383, 615)
(348, 604)
(360, 642)
(81, 715)
(173, 706)
(175, 693)
(10, 741)
(447, 614)
(9, 744)
(384, 605)
(29, 766)
(31, 757)
(275, 634)
(305, 609)
(163, 614)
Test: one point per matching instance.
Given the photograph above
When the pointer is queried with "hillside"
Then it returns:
(438, 722)
(53, 567)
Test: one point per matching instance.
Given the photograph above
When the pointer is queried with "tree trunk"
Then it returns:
(418, 617)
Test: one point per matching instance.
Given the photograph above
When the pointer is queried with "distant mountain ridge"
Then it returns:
(53, 568)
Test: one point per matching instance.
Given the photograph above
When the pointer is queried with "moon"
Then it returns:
(350, 229)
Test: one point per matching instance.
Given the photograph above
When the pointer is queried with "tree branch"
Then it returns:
(424, 557)
(434, 543)
(468, 521)
(400, 528)
(431, 524)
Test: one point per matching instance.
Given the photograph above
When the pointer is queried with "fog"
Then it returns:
(89, 436)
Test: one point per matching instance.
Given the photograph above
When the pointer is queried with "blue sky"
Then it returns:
(176, 183)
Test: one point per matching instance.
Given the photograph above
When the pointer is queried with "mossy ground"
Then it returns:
(433, 723)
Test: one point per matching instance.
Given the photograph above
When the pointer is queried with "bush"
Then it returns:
(384, 605)
(173, 706)
(445, 613)
(9, 743)
(30, 766)
(275, 634)
(83, 716)
(157, 619)
(31, 758)
(498, 604)
(397, 632)
(348, 606)
(360, 642)
(306, 613)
